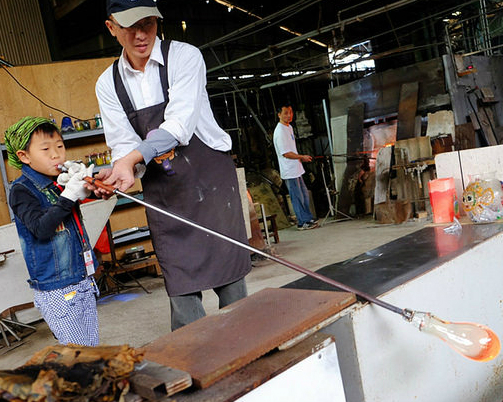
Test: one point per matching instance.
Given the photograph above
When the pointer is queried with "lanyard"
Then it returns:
(75, 216)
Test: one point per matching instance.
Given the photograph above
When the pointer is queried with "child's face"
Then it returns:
(44, 153)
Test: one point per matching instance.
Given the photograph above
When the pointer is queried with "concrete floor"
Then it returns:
(134, 317)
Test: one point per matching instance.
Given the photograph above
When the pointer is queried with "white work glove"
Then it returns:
(74, 188)
(139, 170)
(72, 168)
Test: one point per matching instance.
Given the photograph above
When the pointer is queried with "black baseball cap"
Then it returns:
(128, 12)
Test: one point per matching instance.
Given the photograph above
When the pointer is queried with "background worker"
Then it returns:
(291, 169)
(154, 104)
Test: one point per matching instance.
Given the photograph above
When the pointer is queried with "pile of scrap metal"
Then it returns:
(72, 373)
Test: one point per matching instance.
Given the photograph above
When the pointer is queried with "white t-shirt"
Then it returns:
(188, 111)
(284, 142)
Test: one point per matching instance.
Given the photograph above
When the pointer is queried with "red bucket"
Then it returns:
(443, 199)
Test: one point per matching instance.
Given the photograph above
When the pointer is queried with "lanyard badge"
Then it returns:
(88, 260)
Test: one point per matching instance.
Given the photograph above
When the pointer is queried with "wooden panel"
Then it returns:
(407, 109)
(68, 86)
(487, 123)
(465, 136)
(354, 145)
(383, 169)
(218, 345)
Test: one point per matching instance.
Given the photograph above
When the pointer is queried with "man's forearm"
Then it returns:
(292, 155)
(302, 158)
(133, 158)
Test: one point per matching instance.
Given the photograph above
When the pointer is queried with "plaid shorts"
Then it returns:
(71, 312)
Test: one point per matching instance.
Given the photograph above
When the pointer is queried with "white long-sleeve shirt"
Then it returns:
(188, 111)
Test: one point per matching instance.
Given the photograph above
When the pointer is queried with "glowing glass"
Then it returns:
(474, 341)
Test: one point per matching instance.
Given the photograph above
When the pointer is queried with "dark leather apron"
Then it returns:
(204, 189)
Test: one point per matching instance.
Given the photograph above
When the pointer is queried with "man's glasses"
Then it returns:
(145, 25)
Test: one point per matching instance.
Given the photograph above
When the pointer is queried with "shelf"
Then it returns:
(125, 201)
(136, 236)
(429, 162)
(73, 135)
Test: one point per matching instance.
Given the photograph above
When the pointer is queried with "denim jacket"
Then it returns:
(59, 261)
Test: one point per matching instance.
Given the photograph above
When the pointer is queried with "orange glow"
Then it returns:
(474, 341)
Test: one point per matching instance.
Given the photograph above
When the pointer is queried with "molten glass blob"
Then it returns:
(474, 341)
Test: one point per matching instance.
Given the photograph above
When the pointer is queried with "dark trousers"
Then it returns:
(188, 308)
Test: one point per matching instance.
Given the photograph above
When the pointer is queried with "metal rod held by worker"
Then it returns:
(281, 261)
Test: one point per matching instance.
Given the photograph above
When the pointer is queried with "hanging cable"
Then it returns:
(37, 98)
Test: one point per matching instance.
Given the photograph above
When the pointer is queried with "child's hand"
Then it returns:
(75, 188)
(71, 168)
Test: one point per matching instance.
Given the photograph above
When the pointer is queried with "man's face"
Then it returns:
(44, 153)
(286, 115)
(137, 40)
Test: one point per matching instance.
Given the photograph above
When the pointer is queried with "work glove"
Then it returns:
(71, 168)
(74, 188)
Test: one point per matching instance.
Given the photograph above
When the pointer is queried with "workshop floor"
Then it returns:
(136, 318)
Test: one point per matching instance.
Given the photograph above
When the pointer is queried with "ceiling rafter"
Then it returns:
(328, 28)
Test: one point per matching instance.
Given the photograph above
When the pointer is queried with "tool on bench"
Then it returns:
(474, 341)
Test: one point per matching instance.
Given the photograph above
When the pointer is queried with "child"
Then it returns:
(53, 239)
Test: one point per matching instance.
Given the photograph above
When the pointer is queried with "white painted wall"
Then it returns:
(14, 289)
(316, 379)
(385, 359)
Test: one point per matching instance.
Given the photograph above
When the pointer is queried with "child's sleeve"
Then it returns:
(41, 223)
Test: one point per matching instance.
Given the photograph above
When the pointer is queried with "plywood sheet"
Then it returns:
(441, 122)
(465, 136)
(215, 346)
(68, 86)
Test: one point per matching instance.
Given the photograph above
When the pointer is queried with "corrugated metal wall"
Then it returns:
(22, 35)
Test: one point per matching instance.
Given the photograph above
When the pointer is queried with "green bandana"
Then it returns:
(18, 135)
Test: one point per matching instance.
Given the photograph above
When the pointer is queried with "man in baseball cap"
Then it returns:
(128, 12)
(158, 119)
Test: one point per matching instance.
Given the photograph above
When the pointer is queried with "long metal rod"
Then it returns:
(281, 261)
